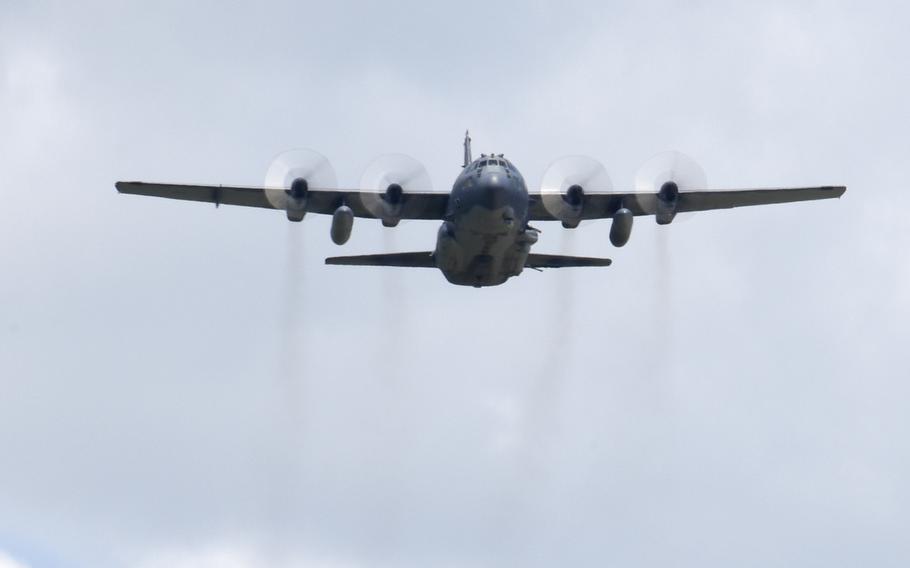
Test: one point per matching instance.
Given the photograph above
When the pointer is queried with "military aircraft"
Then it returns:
(485, 237)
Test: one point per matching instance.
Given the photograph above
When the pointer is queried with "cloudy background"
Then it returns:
(182, 386)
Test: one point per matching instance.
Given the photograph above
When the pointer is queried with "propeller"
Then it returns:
(291, 175)
(385, 182)
(564, 183)
(667, 174)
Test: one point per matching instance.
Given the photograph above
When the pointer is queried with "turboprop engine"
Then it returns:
(563, 187)
(574, 205)
(386, 182)
(295, 203)
(668, 175)
(290, 177)
(391, 205)
(667, 201)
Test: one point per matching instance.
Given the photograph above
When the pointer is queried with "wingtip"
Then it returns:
(833, 190)
(837, 190)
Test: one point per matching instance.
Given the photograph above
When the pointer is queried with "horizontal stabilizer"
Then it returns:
(559, 261)
(426, 260)
(400, 259)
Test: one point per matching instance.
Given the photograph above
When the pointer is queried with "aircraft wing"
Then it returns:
(603, 205)
(414, 205)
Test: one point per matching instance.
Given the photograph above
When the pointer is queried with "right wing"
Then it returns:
(604, 205)
(727, 199)
(414, 205)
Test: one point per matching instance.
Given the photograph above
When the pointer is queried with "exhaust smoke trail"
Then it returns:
(387, 442)
(539, 424)
(285, 497)
(395, 310)
(663, 315)
(658, 410)
(543, 403)
(291, 332)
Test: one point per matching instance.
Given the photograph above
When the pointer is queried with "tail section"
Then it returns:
(539, 261)
(427, 260)
(400, 259)
(467, 149)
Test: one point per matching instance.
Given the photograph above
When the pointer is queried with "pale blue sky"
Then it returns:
(186, 386)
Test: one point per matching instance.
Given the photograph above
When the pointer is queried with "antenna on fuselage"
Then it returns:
(467, 149)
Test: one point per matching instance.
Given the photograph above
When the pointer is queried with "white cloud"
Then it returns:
(230, 555)
(207, 557)
(7, 561)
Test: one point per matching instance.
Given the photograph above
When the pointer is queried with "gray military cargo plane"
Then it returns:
(485, 237)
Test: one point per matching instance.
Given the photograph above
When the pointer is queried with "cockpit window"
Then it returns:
(485, 163)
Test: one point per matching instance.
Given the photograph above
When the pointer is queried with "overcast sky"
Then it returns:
(185, 386)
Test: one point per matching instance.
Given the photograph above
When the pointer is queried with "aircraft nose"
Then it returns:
(494, 191)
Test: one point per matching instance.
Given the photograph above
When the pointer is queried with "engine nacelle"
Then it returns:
(667, 201)
(342, 223)
(573, 206)
(296, 200)
(391, 205)
(621, 229)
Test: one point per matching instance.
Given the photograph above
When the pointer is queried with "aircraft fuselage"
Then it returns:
(485, 239)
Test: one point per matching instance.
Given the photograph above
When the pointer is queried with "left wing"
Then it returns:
(604, 205)
(414, 205)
